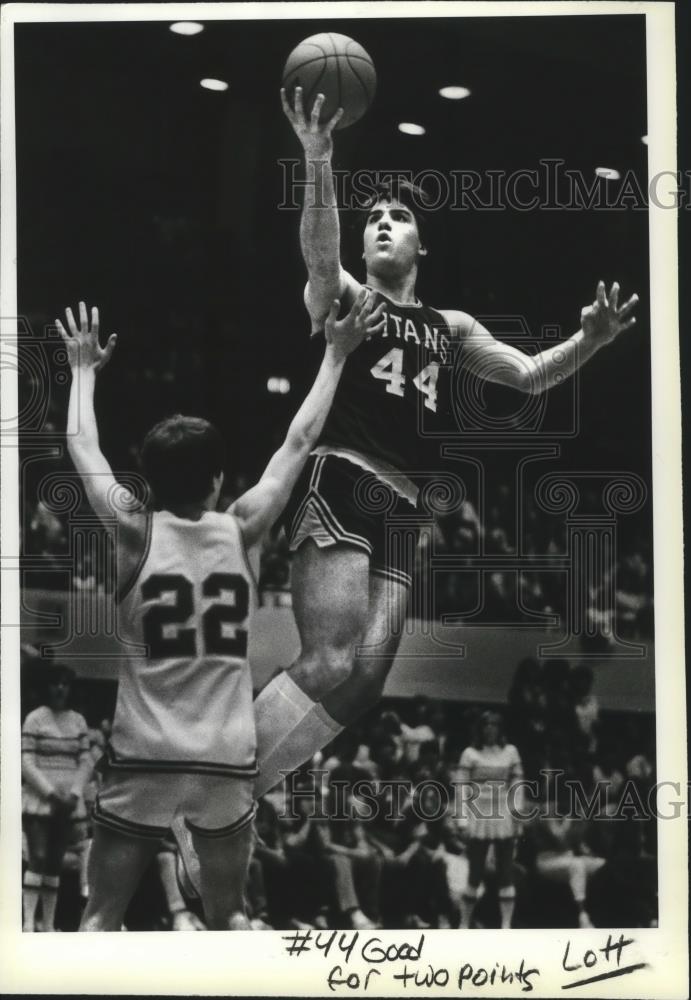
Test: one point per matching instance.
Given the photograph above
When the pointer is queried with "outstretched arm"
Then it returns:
(320, 237)
(86, 358)
(495, 361)
(262, 504)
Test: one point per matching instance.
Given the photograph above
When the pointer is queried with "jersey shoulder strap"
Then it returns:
(127, 583)
(228, 522)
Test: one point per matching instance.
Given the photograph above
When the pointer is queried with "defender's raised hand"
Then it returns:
(604, 319)
(83, 348)
(314, 135)
(344, 335)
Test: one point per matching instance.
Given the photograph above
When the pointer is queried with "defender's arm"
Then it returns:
(86, 358)
(262, 504)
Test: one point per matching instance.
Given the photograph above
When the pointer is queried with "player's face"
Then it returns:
(391, 238)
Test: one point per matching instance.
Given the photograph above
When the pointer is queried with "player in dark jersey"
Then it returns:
(350, 588)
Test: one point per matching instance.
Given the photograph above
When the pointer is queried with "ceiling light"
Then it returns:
(279, 385)
(208, 83)
(454, 93)
(409, 128)
(186, 28)
(609, 173)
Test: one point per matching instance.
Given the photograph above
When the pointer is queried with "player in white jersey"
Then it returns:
(183, 738)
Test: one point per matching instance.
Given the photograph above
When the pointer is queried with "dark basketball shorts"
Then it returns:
(337, 502)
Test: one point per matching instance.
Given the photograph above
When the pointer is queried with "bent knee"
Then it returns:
(323, 668)
(369, 677)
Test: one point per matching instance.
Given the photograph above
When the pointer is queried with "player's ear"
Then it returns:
(422, 252)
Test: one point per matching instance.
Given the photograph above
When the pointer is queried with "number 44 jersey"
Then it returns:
(185, 696)
(393, 402)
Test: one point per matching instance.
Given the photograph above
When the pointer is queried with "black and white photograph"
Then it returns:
(341, 500)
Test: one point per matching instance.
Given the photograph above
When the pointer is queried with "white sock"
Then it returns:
(84, 868)
(507, 901)
(467, 905)
(31, 893)
(49, 900)
(277, 711)
(308, 734)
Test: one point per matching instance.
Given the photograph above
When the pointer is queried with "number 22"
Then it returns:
(390, 369)
(183, 643)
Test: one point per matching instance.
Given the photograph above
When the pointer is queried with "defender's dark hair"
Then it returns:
(409, 194)
(180, 457)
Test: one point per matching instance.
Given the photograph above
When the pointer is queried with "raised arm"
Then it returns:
(262, 504)
(86, 358)
(320, 236)
(496, 361)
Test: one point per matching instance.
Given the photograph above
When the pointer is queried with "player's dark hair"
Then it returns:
(408, 194)
(180, 457)
(489, 718)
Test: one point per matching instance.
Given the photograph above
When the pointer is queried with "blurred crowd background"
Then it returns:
(397, 855)
(507, 595)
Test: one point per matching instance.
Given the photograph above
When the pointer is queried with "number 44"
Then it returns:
(390, 369)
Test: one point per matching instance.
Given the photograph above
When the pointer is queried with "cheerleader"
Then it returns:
(56, 764)
(490, 767)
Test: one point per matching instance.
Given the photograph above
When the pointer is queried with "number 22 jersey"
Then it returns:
(185, 696)
(393, 403)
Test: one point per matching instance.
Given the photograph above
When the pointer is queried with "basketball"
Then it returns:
(335, 66)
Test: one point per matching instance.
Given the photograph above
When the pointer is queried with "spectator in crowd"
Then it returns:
(321, 869)
(633, 596)
(46, 532)
(256, 897)
(275, 572)
(586, 707)
(387, 740)
(97, 744)
(562, 854)
(84, 576)
(489, 768)
(177, 916)
(497, 541)
(420, 866)
(352, 762)
(558, 701)
(607, 775)
(44, 538)
(419, 732)
(439, 725)
(270, 854)
(355, 861)
(56, 765)
(623, 891)
(600, 631)
(527, 714)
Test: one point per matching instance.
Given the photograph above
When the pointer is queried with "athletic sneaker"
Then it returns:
(183, 920)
